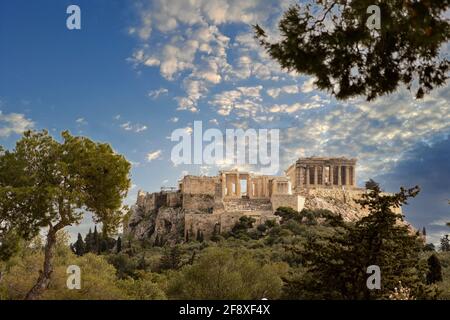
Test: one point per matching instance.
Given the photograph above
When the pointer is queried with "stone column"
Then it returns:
(339, 175)
(229, 185)
(347, 175)
(224, 182)
(354, 176)
(238, 186)
(323, 174)
(249, 186)
(315, 175)
(307, 175)
(331, 175)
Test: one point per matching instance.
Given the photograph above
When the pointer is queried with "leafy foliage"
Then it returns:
(329, 39)
(45, 183)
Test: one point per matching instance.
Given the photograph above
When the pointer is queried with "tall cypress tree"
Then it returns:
(88, 241)
(79, 246)
(119, 245)
(96, 241)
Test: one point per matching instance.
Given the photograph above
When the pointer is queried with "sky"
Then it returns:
(138, 70)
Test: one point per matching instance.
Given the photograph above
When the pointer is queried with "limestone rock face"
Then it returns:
(336, 200)
(172, 217)
(157, 225)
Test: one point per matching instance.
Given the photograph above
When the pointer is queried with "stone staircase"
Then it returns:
(241, 205)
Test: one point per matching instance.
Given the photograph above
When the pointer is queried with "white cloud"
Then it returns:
(128, 126)
(155, 94)
(289, 89)
(81, 121)
(193, 48)
(154, 155)
(308, 85)
(14, 123)
(245, 101)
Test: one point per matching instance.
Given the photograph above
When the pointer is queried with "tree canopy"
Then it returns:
(329, 39)
(49, 184)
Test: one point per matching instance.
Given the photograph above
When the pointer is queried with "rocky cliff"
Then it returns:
(160, 217)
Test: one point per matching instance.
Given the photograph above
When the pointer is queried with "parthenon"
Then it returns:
(322, 172)
(211, 204)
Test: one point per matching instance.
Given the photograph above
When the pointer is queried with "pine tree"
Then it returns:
(424, 232)
(340, 260)
(331, 41)
(434, 273)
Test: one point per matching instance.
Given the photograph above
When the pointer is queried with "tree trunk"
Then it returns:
(44, 276)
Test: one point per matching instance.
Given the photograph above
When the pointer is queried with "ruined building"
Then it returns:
(214, 204)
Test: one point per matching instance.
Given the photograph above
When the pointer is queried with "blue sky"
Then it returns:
(137, 70)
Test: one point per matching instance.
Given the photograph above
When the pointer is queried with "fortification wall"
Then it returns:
(199, 185)
(294, 201)
(198, 202)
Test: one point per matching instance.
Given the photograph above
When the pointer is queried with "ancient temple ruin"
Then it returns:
(322, 172)
(213, 204)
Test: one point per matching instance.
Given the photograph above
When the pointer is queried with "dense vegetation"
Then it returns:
(312, 254)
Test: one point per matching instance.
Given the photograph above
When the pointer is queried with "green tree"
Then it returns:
(98, 278)
(171, 258)
(287, 213)
(329, 39)
(335, 265)
(79, 246)
(371, 184)
(220, 273)
(434, 273)
(119, 245)
(56, 183)
(445, 243)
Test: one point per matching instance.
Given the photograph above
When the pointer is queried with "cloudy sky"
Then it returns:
(137, 70)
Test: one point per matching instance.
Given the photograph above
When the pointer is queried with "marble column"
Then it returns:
(238, 185)
(315, 175)
(339, 175)
(224, 182)
(331, 175)
(347, 175)
(353, 176)
(307, 176)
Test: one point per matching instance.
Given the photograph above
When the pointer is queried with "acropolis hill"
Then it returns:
(215, 204)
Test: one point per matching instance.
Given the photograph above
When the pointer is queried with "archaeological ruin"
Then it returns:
(214, 204)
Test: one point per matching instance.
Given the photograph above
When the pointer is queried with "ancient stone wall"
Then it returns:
(199, 185)
(201, 203)
(293, 201)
